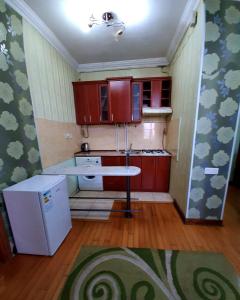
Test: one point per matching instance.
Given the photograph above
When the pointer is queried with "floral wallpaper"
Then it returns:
(19, 153)
(218, 109)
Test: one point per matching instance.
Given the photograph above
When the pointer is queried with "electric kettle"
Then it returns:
(85, 147)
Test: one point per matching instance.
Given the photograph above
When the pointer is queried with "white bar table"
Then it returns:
(126, 171)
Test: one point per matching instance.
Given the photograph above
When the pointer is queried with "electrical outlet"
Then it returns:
(211, 171)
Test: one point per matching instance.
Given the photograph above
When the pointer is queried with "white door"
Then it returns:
(56, 214)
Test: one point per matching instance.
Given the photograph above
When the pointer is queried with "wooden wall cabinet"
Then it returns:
(86, 97)
(136, 101)
(156, 92)
(104, 103)
(120, 100)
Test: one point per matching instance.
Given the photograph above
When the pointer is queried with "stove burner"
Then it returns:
(155, 152)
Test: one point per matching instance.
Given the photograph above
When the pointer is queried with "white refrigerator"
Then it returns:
(39, 213)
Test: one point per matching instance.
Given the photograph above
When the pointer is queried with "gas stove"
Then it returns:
(155, 152)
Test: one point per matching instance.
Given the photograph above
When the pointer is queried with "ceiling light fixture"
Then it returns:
(112, 13)
(110, 20)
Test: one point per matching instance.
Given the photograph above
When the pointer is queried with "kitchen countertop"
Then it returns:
(96, 171)
(114, 153)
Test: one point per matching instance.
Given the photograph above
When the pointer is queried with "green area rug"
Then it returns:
(124, 273)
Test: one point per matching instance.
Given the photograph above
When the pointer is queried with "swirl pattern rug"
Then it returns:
(125, 273)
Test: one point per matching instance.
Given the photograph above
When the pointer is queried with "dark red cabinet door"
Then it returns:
(148, 173)
(114, 183)
(156, 93)
(136, 181)
(163, 164)
(154, 176)
(104, 103)
(120, 100)
(137, 101)
(86, 96)
(91, 94)
(81, 110)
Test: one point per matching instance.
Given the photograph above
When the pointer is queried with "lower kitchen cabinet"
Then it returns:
(162, 171)
(154, 176)
(136, 181)
(148, 173)
(114, 183)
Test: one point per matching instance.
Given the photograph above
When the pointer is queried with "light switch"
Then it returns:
(211, 171)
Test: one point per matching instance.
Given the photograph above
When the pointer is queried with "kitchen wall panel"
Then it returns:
(185, 72)
(50, 78)
(54, 146)
(50, 81)
(136, 73)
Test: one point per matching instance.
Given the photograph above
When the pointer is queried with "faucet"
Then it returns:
(129, 150)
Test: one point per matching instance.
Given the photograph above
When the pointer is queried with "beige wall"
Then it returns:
(50, 80)
(136, 73)
(54, 147)
(147, 135)
(185, 72)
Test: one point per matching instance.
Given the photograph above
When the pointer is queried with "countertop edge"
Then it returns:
(95, 153)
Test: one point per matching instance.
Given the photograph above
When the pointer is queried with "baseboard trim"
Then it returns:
(178, 209)
(195, 221)
(203, 222)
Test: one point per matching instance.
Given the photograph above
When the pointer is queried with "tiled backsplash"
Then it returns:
(147, 135)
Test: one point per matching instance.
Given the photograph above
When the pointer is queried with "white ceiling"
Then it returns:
(150, 39)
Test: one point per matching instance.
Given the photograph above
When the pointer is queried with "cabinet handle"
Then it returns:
(84, 119)
(132, 117)
(90, 118)
(112, 117)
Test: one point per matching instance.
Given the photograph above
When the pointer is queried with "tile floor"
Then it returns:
(91, 204)
(136, 196)
(107, 202)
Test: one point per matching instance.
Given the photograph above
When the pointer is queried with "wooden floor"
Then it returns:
(158, 226)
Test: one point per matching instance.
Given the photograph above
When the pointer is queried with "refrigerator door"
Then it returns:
(25, 215)
(56, 215)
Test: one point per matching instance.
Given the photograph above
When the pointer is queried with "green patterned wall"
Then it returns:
(218, 109)
(19, 153)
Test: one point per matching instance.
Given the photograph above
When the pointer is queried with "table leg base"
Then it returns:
(128, 215)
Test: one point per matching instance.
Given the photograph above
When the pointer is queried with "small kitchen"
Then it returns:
(118, 134)
(123, 123)
(123, 113)
(120, 114)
